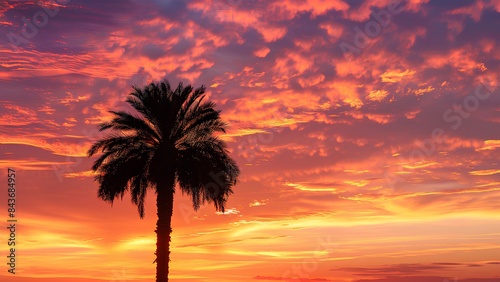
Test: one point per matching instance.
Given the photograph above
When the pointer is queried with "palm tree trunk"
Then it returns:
(165, 205)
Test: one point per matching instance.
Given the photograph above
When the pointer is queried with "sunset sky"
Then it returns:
(367, 134)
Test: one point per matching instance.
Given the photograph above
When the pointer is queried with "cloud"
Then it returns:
(325, 145)
(272, 278)
(396, 75)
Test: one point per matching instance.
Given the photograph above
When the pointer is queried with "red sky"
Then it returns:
(367, 133)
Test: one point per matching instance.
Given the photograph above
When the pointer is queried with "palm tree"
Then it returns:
(171, 143)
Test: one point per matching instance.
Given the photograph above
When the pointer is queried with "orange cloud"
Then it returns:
(396, 75)
(377, 95)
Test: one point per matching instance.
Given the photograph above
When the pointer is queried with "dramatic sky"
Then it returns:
(367, 132)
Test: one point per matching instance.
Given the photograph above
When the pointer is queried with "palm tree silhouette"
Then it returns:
(172, 141)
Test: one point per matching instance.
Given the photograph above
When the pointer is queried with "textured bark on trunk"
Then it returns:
(165, 205)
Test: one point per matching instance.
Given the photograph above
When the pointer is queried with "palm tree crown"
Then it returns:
(172, 141)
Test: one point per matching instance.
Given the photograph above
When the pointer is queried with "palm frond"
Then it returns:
(124, 121)
(174, 131)
(206, 173)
